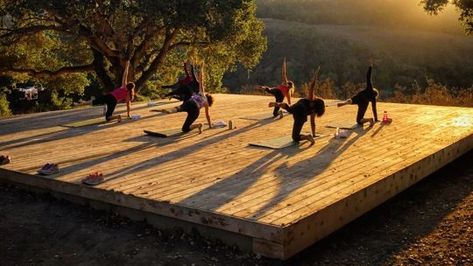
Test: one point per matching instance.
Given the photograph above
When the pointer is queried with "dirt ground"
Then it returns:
(428, 224)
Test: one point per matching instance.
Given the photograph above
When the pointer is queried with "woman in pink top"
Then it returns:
(284, 90)
(125, 93)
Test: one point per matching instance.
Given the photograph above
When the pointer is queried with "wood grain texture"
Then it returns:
(284, 199)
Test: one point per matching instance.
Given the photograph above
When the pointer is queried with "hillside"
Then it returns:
(402, 56)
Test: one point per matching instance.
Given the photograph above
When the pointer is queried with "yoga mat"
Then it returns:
(278, 143)
(164, 133)
(88, 122)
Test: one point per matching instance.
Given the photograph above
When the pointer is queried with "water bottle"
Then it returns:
(337, 133)
(385, 117)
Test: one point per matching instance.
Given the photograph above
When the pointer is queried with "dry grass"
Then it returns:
(434, 93)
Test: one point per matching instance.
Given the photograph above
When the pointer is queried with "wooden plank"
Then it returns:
(280, 192)
(320, 224)
(260, 116)
(89, 122)
(162, 208)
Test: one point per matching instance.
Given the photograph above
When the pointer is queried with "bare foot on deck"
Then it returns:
(371, 122)
(199, 127)
(281, 115)
(311, 140)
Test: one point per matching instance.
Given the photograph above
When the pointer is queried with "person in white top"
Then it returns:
(193, 105)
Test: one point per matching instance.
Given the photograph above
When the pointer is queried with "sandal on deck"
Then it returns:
(93, 179)
(5, 159)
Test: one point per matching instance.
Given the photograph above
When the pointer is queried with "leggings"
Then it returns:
(279, 98)
(362, 106)
(182, 92)
(110, 101)
(193, 112)
(297, 127)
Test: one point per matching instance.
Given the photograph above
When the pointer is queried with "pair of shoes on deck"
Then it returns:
(5, 159)
(93, 179)
(49, 169)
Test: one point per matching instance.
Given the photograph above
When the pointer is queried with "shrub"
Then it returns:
(4, 106)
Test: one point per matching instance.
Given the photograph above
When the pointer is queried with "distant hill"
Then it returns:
(407, 14)
(402, 56)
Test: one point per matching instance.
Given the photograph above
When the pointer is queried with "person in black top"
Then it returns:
(185, 86)
(312, 106)
(362, 99)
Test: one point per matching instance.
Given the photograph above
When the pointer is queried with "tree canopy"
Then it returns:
(465, 7)
(50, 39)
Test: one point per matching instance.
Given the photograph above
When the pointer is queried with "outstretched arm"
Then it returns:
(185, 69)
(312, 124)
(375, 113)
(124, 82)
(128, 108)
(201, 78)
(284, 72)
(207, 115)
(369, 82)
(313, 82)
(193, 73)
(125, 74)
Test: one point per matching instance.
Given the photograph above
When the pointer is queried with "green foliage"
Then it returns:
(100, 36)
(465, 7)
(4, 105)
(59, 102)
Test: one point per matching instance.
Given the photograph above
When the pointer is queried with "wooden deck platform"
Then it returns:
(281, 201)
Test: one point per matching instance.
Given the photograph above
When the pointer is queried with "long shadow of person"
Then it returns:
(230, 187)
(182, 151)
(55, 119)
(297, 175)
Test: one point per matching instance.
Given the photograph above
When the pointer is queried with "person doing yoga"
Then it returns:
(284, 90)
(124, 93)
(185, 86)
(193, 105)
(362, 99)
(310, 106)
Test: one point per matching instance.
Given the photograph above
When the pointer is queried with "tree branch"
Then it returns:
(157, 61)
(186, 43)
(49, 73)
(100, 71)
(31, 30)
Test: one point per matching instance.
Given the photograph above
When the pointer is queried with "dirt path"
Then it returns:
(429, 224)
